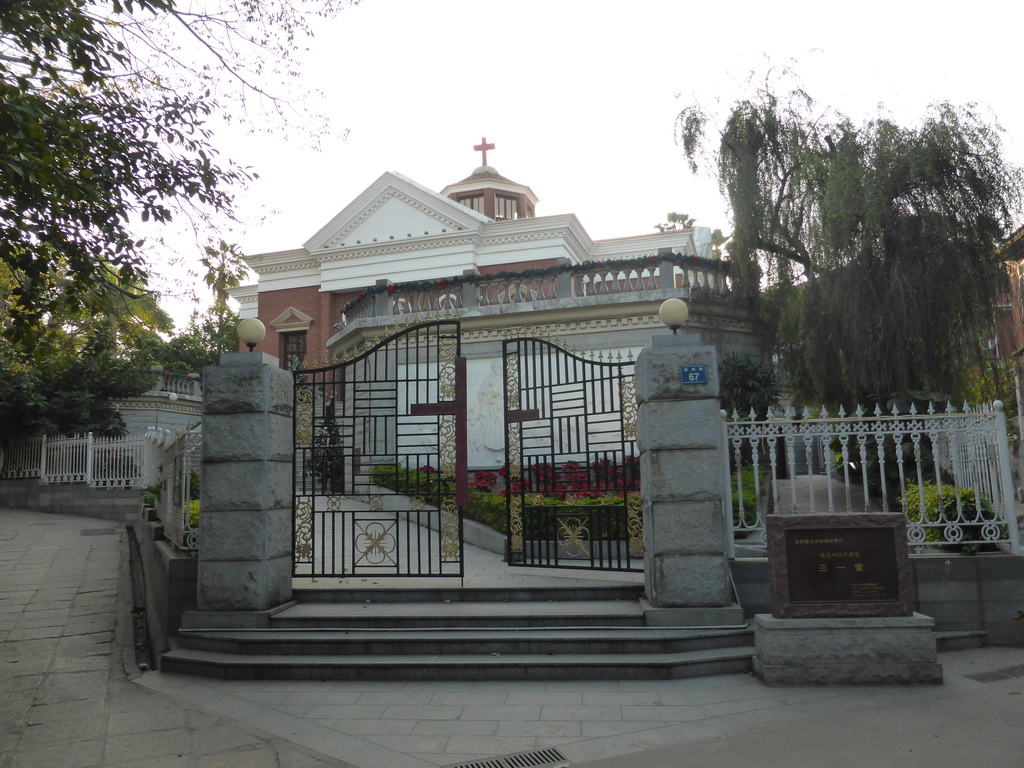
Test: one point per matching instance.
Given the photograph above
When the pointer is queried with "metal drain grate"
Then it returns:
(98, 531)
(1000, 674)
(539, 758)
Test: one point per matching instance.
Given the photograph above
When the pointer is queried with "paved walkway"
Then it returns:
(72, 698)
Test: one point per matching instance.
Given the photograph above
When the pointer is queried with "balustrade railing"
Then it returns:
(591, 279)
(948, 473)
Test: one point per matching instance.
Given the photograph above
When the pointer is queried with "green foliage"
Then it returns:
(751, 503)
(487, 508)
(874, 243)
(193, 514)
(104, 123)
(943, 509)
(748, 385)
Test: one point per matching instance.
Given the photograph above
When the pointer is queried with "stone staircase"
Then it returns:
(492, 633)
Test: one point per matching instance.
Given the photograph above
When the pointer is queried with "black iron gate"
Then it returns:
(572, 481)
(380, 459)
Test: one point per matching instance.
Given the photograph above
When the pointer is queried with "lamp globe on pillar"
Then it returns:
(251, 332)
(674, 313)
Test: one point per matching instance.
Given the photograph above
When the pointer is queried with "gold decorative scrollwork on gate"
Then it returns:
(446, 434)
(514, 455)
(376, 503)
(515, 523)
(627, 401)
(447, 349)
(574, 536)
(512, 381)
(303, 529)
(449, 530)
(334, 503)
(303, 416)
(635, 523)
(375, 543)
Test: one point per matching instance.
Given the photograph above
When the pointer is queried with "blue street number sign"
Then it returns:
(693, 374)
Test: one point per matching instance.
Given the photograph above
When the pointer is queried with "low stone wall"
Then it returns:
(120, 504)
(170, 583)
(963, 594)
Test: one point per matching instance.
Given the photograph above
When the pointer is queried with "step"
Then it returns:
(451, 615)
(959, 641)
(454, 594)
(458, 667)
(561, 640)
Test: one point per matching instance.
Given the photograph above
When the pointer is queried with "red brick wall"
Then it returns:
(324, 308)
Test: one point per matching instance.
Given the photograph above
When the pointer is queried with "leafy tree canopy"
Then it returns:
(104, 113)
(872, 246)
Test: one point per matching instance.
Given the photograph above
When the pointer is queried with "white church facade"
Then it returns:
(402, 253)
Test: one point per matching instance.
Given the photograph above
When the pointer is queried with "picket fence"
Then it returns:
(100, 462)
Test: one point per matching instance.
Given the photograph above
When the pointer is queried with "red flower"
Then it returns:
(391, 288)
(598, 263)
(652, 259)
(428, 469)
(360, 296)
(442, 283)
(167, 373)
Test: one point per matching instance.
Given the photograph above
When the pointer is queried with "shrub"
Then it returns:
(939, 510)
(750, 500)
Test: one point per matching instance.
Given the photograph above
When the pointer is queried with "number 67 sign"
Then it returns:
(693, 374)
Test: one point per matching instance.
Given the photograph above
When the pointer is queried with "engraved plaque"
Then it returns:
(838, 566)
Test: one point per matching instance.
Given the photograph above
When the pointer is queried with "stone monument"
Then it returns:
(842, 604)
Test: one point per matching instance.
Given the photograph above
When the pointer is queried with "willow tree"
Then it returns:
(872, 247)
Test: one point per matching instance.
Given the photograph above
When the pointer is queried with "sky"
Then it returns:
(580, 97)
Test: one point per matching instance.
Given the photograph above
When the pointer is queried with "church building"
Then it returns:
(400, 248)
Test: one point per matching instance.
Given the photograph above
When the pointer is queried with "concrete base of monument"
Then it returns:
(857, 651)
(730, 616)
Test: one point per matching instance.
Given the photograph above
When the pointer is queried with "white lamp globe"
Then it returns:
(674, 313)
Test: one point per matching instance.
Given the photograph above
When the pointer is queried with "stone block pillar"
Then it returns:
(679, 434)
(245, 546)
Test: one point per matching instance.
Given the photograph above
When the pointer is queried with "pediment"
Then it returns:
(394, 208)
(291, 319)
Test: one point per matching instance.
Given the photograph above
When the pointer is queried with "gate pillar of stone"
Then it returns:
(245, 544)
(679, 434)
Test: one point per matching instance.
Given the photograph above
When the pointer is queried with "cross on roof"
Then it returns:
(483, 146)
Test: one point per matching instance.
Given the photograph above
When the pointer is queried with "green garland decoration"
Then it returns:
(676, 259)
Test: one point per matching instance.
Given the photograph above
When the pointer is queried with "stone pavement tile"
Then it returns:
(544, 697)
(35, 633)
(64, 732)
(145, 719)
(494, 745)
(72, 686)
(86, 645)
(667, 712)
(311, 736)
(440, 712)
(566, 729)
(66, 710)
(503, 712)
(397, 697)
(411, 743)
(210, 735)
(358, 727)
(296, 710)
(734, 707)
(579, 712)
(321, 697)
(450, 727)
(620, 697)
(154, 761)
(376, 756)
(36, 623)
(466, 698)
(81, 754)
(80, 664)
(264, 697)
(132, 746)
(343, 711)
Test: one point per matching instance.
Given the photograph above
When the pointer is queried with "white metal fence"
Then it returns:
(179, 460)
(103, 462)
(948, 473)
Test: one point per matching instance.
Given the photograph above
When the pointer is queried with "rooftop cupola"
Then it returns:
(488, 192)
